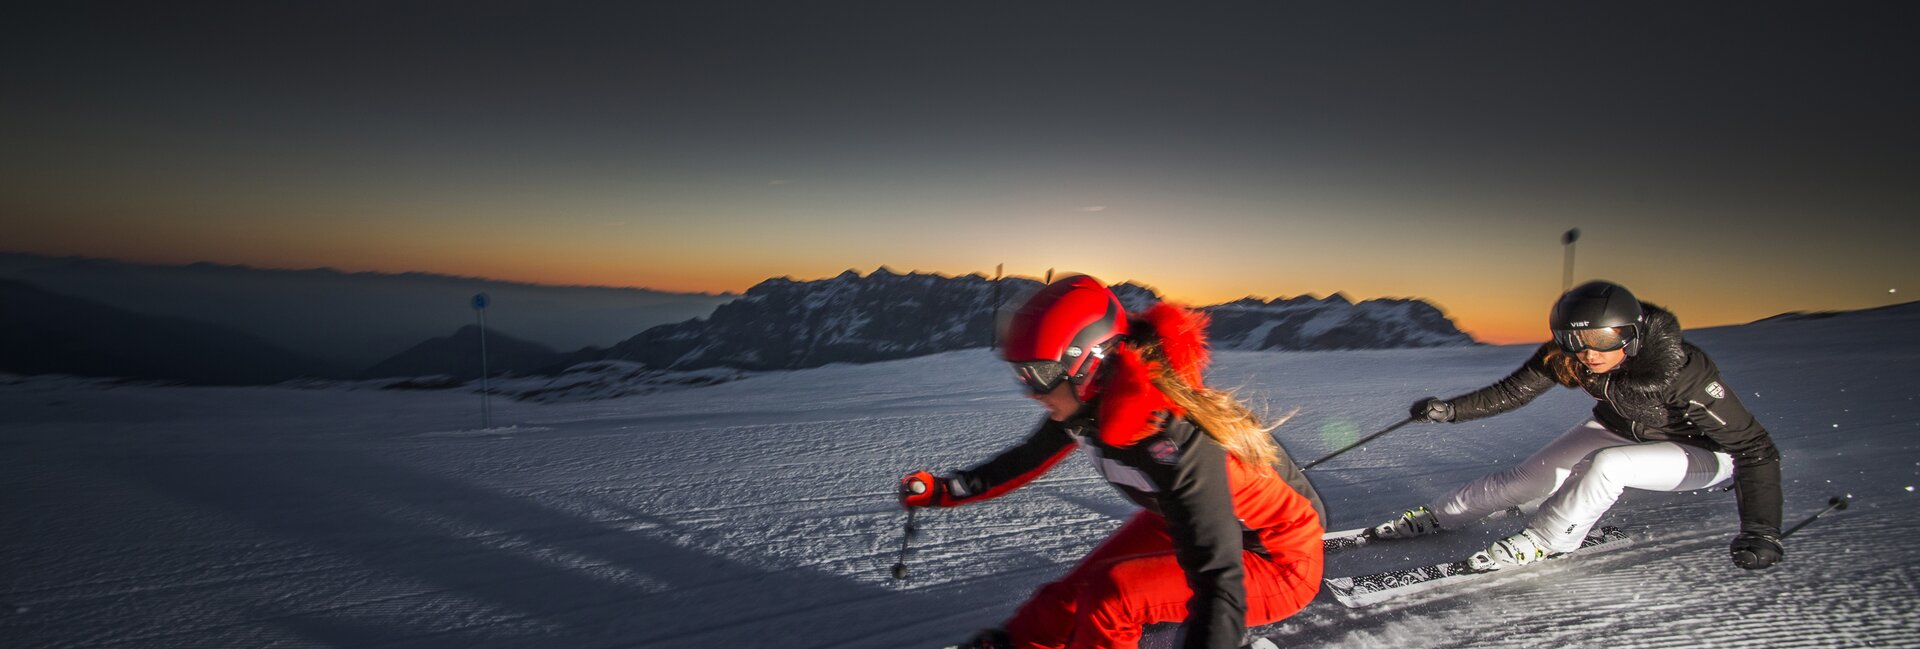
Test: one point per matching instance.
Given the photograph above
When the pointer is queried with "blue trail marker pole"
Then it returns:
(486, 407)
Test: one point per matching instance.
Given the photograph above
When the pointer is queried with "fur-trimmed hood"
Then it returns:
(1662, 353)
(1130, 405)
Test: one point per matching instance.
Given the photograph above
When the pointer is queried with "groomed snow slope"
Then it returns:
(759, 513)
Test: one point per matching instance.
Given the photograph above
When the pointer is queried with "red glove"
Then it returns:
(922, 489)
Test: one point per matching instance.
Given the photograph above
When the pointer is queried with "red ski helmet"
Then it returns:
(1063, 332)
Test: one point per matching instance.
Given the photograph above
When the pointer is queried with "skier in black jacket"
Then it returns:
(1664, 422)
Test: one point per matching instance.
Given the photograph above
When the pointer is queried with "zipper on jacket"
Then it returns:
(1606, 390)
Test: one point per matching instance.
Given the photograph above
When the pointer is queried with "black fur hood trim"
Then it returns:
(1662, 353)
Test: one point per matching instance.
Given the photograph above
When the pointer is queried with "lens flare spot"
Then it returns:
(1338, 433)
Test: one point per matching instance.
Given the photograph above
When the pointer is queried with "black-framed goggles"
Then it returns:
(1040, 377)
(1604, 339)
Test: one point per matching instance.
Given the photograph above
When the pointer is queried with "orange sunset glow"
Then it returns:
(699, 153)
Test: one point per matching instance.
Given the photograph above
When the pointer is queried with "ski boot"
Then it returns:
(1518, 550)
(1418, 521)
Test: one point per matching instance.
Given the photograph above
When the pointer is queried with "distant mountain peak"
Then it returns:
(1243, 303)
(791, 323)
(458, 356)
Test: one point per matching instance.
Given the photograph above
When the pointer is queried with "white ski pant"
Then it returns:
(1576, 478)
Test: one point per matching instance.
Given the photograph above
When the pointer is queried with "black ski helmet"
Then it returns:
(1599, 305)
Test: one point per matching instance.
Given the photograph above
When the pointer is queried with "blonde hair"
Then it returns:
(1218, 412)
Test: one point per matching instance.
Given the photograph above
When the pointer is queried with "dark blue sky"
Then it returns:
(1732, 159)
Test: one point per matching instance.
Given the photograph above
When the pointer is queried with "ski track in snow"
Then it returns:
(760, 512)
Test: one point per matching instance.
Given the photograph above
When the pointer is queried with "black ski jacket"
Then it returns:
(1669, 391)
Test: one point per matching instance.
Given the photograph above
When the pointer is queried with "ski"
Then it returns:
(1344, 540)
(1360, 537)
(1364, 590)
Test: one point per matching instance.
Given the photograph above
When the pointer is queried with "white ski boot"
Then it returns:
(1517, 550)
(1418, 521)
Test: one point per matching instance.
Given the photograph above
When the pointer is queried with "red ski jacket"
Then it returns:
(1215, 505)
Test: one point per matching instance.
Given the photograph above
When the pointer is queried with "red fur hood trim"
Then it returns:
(1130, 404)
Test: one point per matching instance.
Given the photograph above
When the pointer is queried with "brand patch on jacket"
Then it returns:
(1714, 390)
(1164, 452)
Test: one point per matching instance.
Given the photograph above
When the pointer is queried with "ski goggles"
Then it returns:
(1040, 377)
(1604, 339)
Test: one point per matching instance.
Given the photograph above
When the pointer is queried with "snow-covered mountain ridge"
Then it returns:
(1334, 322)
(784, 323)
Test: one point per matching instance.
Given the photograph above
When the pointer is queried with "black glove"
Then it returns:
(1432, 409)
(1757, 550)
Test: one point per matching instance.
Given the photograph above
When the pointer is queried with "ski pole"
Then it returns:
(1355, 445)
(900, 567)
(1836, 502)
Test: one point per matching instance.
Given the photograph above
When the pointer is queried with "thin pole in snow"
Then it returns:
(1566, 280)
(486, 407)
(993, 314)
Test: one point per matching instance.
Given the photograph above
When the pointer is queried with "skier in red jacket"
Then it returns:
(1229, 533)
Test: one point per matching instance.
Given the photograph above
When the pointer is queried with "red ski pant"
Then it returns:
(1134, 579)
